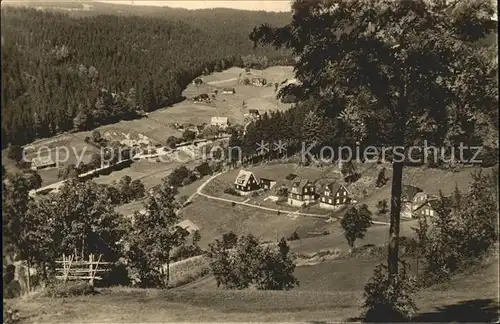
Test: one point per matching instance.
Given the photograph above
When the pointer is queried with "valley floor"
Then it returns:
(324, 296)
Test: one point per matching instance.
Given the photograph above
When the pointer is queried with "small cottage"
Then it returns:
(334, 195)
(228, 91)
(246, 182)
(39, 163)
(431, 206)
(188, 226)
(266, 183)
(202, 98)
(259, 82)
(301, 192)
(407, 200)
(221, 122)
(254, 112)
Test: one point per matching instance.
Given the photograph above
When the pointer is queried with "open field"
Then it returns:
(64, 149)
(364, 190)
(156, 126)
(130, 208)
(324, 296)
(216, 218)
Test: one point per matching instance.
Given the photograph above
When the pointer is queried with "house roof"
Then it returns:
(300, 183)
(219, 120)
(40, 161)
(188, 226)
(409, 192)
(291, 176)
(334, 186)
(228, 89)
(243, 177)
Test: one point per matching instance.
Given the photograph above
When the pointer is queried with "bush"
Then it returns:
(382, 207)
(59, 289)
(183, 199)
(231, 191)
(387, 301)
(251, 264)
(10, 314)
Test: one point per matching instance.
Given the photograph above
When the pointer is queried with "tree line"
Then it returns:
(63, 74)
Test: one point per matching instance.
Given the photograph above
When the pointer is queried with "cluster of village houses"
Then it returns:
(333, 195)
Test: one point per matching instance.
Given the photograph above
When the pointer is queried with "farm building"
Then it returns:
(266, 183)
(254, 112)
(431, 206)
(246, 182)
(189, 226)
(407, 200)
(202, 98)
(42, 163)
(228, 91)
(301, 192)
(249, 181)
(221, 122)
(260, 82)
(333, 196)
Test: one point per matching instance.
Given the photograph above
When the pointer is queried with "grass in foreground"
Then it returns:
(472, 296)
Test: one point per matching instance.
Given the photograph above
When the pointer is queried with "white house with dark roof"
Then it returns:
(246, 182)
(333, 196)
(301, 192)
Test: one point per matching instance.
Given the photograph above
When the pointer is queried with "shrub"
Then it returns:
(382, 207)
(59, 289)
(183, 199)
(381, 179)
(389, 301)
(231, 191)
(294, 236)
(251, 264)
(283, 192)
(462, 232)
(10, 314)
(233, 204)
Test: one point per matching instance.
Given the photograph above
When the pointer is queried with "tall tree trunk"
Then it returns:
(397, 179)
(168, 269)
(162, 272)
(28, 277)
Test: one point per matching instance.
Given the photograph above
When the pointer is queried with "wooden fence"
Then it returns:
(80, 269)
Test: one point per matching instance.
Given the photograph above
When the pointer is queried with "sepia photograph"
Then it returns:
(281, 161)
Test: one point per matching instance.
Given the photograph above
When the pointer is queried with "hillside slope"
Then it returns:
(68, 72)
(472, 296)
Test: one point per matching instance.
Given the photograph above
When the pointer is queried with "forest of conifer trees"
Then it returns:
(61, 73)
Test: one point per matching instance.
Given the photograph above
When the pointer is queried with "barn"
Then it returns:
(42, 163)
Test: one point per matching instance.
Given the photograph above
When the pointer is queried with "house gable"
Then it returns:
(334, 194)
(246, 181)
